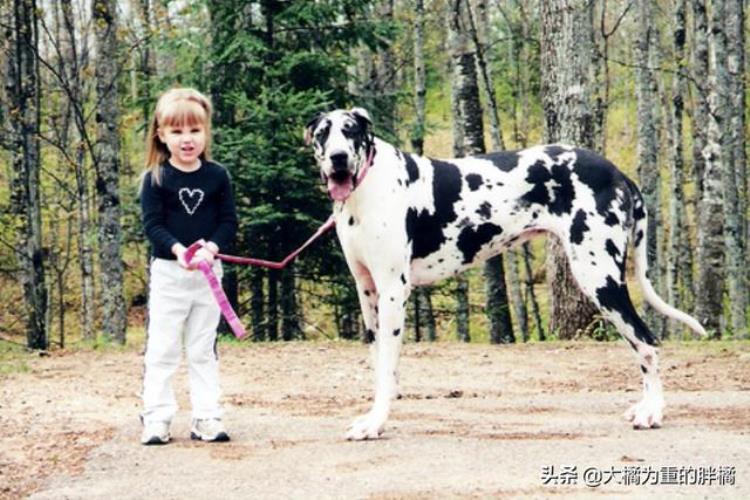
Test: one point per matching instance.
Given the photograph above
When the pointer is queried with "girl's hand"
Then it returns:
(203, 253)
(212, 247)
(179, 251)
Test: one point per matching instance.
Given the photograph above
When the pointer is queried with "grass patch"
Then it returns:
(12, 358)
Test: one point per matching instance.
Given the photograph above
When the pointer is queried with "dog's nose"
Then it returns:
(339, 161)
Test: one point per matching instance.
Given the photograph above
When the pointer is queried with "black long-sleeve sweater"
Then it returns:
(188, 206)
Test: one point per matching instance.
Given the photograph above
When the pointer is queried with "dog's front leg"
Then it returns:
(392, 297)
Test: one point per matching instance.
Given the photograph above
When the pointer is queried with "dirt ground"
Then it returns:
(473, 421)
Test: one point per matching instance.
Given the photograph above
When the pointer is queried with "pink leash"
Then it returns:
(221, 298)
(213, 282)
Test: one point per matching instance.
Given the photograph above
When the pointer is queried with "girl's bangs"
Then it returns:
(181, 113)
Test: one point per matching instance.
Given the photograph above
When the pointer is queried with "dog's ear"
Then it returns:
(310, 128)
(362, 116)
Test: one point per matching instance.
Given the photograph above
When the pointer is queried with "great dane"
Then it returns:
(413, 220)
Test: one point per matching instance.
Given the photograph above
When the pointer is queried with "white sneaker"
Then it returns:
(155, 433)
(208, 429)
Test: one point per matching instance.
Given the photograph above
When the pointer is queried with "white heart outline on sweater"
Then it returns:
(190, 193)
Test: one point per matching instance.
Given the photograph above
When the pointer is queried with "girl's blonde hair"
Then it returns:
(178, 107)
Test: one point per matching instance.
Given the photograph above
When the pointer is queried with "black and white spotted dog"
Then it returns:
(413, 221)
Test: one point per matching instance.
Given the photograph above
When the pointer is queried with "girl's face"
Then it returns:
(185, 144)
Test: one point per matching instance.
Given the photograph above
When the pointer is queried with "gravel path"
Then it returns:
(474, 421)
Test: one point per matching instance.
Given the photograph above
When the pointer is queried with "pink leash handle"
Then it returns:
(221, 298)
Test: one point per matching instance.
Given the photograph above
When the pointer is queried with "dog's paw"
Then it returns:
(368, 426)
(645, 415)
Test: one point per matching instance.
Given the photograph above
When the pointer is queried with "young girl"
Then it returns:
(185, 197)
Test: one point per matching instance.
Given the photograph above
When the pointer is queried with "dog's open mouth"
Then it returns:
(340, 185)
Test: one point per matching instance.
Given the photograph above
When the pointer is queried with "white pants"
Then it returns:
(181, 310)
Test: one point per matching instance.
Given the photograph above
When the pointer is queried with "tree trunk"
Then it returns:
(386, 75)
(710, 253)
(422, 295)
(711, 223)
(735, 205)
(147, 64)
(700, 110)
(291, 328)
(426, 312)
(494, 270)
(530, 296)
(107, 162)
(23, 88)
(568, 117)
(468, 116)
(256, 305)
(420, 91)
(76, 96)
(462, 309)
(677, 283)
(273, 305)
(648, 135)
(719, 155)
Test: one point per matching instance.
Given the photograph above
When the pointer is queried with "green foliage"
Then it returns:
(268, 79)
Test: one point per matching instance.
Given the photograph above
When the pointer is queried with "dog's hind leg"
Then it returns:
(393, 291)
(599, 270)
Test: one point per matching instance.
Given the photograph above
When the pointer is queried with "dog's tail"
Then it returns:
(639, 234)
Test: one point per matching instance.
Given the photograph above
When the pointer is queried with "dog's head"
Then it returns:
(341, 140)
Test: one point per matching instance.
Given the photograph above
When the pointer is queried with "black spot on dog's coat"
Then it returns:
(485, 210)
(425, 230)
(369, 336)
(612, 219)
(538, 176)
(504, 160)
(554, 151)
(601, 176)
(465, 222)
(396, 332)
(474, 181)
(638, 237)
(470, 240)
(411, 169)
(612, 249)
(562, 189)
(578, 227)
(614, 297)
(351, 220)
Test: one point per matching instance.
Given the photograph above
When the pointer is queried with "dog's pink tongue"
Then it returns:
(339, 192)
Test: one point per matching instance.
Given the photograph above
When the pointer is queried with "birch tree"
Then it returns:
(719, 154)
(737, 215)
(678, 271)
(478, 28)
(76, 90)
(709, 284)
(423, 312)
(648, 146)
(469, 140)
(107, 165)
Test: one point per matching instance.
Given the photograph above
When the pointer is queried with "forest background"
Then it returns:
(657, 86)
